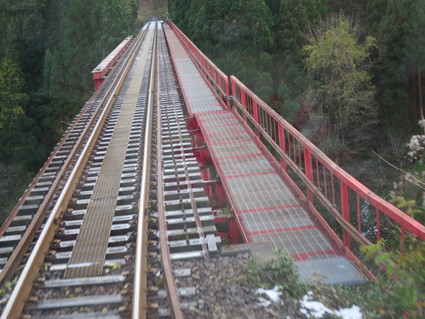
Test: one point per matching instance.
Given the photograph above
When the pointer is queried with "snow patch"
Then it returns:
(273, 295)
(317, 309)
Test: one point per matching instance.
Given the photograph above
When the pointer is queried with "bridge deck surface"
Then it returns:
(266, 208)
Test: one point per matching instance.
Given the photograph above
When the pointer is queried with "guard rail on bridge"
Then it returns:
(350, 213)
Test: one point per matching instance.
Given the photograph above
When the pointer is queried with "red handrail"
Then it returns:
(104, 66)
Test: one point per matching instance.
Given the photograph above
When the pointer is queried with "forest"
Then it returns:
(348, 75)
(48, 49)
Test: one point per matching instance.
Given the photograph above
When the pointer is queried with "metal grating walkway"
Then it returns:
(266, 208)
(198, 96)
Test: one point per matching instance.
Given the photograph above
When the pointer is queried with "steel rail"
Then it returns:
(141, 265)
(21, 249)
(15, 304)
(172, 292)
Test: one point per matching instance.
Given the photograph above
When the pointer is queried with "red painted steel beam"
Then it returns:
(102, 69)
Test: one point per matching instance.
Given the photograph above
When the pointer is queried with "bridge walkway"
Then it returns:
(266, 209)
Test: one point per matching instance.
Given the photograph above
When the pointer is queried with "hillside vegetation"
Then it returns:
(47, 51)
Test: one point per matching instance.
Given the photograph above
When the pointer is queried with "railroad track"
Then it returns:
(65, 222)
(31, 211)
(129, 202)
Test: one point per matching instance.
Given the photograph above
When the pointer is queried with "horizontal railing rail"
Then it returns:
(358, 211)
(213, 75)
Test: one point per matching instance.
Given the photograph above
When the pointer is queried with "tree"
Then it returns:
(16, 140)
(12, 100)
(340, 84)
(399, 25)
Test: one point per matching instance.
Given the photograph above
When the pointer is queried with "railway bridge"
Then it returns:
(171, 160)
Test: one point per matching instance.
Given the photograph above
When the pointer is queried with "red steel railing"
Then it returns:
(346, 209)
(106, 64)
(322, 182)
(218, 81)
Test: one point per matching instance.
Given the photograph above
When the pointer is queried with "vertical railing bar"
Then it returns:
(345, 208)
(308, 171)
(282, 145)
(359, 221)
(299, 154)
(289, 146)
(317, 172)
(325, 181)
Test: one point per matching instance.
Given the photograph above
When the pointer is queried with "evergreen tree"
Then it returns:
(399, 27)
(15, 127)
(47, 51)
(12, 100)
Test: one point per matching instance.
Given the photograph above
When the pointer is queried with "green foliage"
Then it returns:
(339, 81)
(280, 271)
(292, 21)
(47, 51)
(403, 289)
(12, 100)
(408, 206)
(16, 139)
(228, 31)
(399, 27)
(12, 183)
(237, 35)
(260, 41)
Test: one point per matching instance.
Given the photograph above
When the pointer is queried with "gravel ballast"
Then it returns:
(223, 291)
